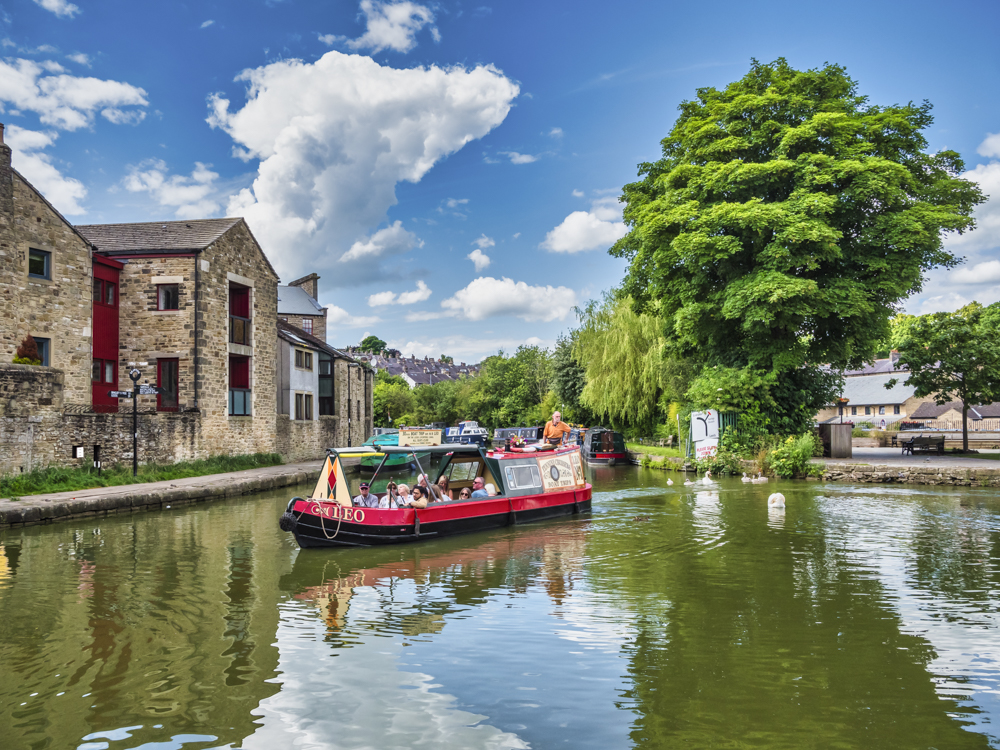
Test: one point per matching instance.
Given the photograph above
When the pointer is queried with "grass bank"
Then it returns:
(66, 479)
(654, 450)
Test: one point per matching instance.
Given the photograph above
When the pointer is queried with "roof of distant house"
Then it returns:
(930, 410)
(871, 390)
(419, 371)
(878, 366)
(295, 335)
(294, 300)
(158, 236)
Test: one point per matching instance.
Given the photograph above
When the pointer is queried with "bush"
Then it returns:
(27, 352)
(791, 458)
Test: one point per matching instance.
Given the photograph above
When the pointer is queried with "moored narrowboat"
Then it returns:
(530, 486)
(604, 446)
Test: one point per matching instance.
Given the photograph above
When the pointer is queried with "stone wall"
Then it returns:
(148, 334)
(874, 474)
(58, 308)
(353, 384)
(236, 253)
(302, 440)
(318, 323)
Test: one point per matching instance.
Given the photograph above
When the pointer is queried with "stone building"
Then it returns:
(415, 371)
(298, 304)
(869, 401)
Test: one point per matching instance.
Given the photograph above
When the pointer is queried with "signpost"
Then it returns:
(705, 433)
(137, 390)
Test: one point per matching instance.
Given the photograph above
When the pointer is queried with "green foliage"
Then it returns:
(786, 221)
(65, 479)
(372, 343)
(954, 356)
(567, 379)
(26, 361)
(391, 399)
(792, 458)
(27, 352)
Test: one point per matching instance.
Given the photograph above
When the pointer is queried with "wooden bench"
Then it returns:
(921, 444)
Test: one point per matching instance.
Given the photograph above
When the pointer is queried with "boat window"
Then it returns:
(463, 472)
(522, 477)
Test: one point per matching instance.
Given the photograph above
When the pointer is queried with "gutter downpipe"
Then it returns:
(197, 315)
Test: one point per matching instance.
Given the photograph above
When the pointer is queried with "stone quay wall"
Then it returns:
(934, 475)
(302, 440)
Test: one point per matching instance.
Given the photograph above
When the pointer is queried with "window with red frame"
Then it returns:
(307, 325)
(240, 395)
(105, 292)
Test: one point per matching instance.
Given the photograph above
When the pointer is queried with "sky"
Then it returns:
(451, 170)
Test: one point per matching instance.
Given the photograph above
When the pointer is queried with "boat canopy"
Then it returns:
(446, 448)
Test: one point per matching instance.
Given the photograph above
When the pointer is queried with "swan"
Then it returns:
(776, 500)
(746, 478)
(670, 482)
(759, 479)
(688, 482)
(708, 478)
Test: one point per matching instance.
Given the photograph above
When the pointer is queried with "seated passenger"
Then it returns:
(432, 491)
(491, 490)
(479, 488)
(417, 498)
(465, 494)
(443, 484)
(403, 496)
(388, 500)
(365, 500)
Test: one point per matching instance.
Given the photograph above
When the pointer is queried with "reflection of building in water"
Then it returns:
(552, 555)
(145, 619)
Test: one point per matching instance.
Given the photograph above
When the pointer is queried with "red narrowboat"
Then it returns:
(530, 486)
(604, 446)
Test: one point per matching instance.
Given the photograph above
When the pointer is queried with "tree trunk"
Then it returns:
(965, 427)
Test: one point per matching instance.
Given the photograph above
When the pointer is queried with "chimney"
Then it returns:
(6, 187)
(309, 284)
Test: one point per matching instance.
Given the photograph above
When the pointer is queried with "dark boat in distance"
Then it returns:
(604, 446)
(531, 486)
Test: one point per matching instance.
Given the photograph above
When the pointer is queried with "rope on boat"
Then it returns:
(322, 525)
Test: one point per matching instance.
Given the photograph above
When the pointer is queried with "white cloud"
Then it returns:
(578, 193)
(986, 235)
(393, 240)
(65, 101)
(516, 158)
(483, 242)
(59, 7)
(419, 294)
(335, 136)
(392, 25)
(206, 24)
(487, 297)
(556, 132)
(65, 193)
(991, 146)
(79, 58)
(516, 235)
(480, 259)
(191, 197)
(464, 348)
(338, 316)
(987, 272)
(456, 202)
(587, 230)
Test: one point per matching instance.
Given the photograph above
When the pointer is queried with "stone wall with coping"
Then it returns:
(58, 308)
(934, 475)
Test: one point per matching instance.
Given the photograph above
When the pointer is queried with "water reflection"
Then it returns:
(855, 617)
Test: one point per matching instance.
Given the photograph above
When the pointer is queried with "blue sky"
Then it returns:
(449, 169)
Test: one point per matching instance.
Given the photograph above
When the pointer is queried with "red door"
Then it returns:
(104, 368)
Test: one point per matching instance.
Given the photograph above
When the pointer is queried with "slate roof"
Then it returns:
(294, 300)
(413, 369)
(157, 236)
(870, 390)
(295, 335)
(930, 410)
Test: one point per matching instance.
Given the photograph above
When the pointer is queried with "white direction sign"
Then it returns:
(705, 433)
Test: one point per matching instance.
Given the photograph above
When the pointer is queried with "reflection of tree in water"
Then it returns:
(765, 636)
(418, 587)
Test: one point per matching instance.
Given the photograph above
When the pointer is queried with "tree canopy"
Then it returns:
(372, 343)
(785, 223)
(954, 357)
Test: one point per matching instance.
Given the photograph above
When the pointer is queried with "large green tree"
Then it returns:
(785, 223)
(391, 399)
(372, 343)
(954, 357)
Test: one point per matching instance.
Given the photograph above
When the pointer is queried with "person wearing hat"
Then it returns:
(365, 500)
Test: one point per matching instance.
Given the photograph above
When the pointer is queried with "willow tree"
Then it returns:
(785, 223)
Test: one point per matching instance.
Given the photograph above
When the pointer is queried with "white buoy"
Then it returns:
(776, 500)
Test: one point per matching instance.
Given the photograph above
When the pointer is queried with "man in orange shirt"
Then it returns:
(556, 430)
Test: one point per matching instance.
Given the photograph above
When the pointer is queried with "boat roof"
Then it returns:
(360, 451)
(446, 448)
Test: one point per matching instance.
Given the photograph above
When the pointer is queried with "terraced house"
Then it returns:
(193, 305)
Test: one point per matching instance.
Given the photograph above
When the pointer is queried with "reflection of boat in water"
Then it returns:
(604, 446)
(473, 569)
(530, 487)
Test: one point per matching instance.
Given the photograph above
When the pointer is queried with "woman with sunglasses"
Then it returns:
(465, 494)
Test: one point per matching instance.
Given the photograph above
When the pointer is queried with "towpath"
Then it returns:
(131, 498)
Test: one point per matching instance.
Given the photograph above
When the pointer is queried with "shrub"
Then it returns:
(791, 458)
(27, 352)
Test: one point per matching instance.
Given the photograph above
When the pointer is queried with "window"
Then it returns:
(105, 292)
(881, 410)
(168, 297)
(358, 412)
(39, 264)
(240, 395)
(43, 350)
(854, 411)
(522, 477)
(307, 325)
(166, 378)
(303, 359)
(303, 406)
(868, 410)
(239, 315)
(895, 409)
(103, 371)
(326, 404)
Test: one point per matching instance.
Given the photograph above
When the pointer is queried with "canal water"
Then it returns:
(671, 616)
